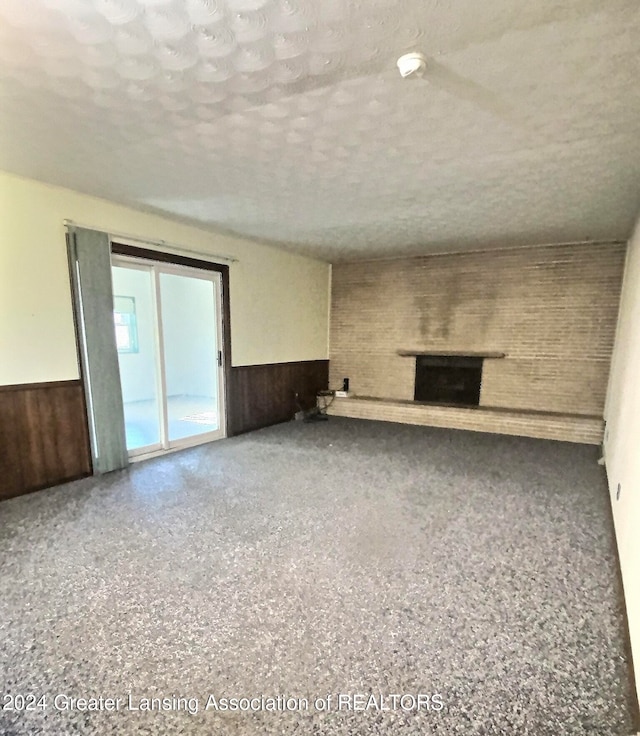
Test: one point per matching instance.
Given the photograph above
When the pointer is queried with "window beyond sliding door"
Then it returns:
(137, 343)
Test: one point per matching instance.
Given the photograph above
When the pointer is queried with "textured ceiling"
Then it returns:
(287, 121)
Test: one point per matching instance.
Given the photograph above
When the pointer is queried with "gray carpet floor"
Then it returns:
(474, 575)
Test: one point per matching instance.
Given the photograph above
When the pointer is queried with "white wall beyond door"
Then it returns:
(622, 442)
(190, 343)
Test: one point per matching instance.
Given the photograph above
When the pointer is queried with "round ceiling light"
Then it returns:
(412, 65)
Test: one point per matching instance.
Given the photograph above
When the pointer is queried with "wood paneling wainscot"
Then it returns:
(261, 395)
(44, 438)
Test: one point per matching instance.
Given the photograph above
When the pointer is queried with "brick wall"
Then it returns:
(551, 309)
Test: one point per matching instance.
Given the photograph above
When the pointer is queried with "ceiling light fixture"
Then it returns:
(412, 65)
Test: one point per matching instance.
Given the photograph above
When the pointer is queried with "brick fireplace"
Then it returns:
(412, 334)
(448, 379)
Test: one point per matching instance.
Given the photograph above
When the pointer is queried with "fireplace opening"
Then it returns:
(448, 379)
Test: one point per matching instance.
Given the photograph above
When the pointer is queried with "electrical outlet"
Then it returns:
(342, 394)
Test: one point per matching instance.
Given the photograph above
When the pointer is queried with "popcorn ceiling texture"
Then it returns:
(286, 120)
(552, 310)
(307, 559)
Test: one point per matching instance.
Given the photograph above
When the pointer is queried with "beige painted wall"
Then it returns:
(622, 441)
(279, 301)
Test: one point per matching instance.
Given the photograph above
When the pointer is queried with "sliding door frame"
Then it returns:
(120, 248)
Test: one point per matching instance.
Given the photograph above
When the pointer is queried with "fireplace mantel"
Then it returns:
(451, 353)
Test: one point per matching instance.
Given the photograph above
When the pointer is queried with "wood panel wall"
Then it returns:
(44, 439)
(261, 395)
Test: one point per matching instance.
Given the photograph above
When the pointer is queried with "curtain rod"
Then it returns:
(158, 243)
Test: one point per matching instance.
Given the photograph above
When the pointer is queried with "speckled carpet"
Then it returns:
(345, 577)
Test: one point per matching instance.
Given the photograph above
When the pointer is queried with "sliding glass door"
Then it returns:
(134, 314)
(168, 322)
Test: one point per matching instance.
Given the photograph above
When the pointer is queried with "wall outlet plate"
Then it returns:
(343, 394)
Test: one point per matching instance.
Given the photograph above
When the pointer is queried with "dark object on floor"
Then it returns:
(315, 415)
